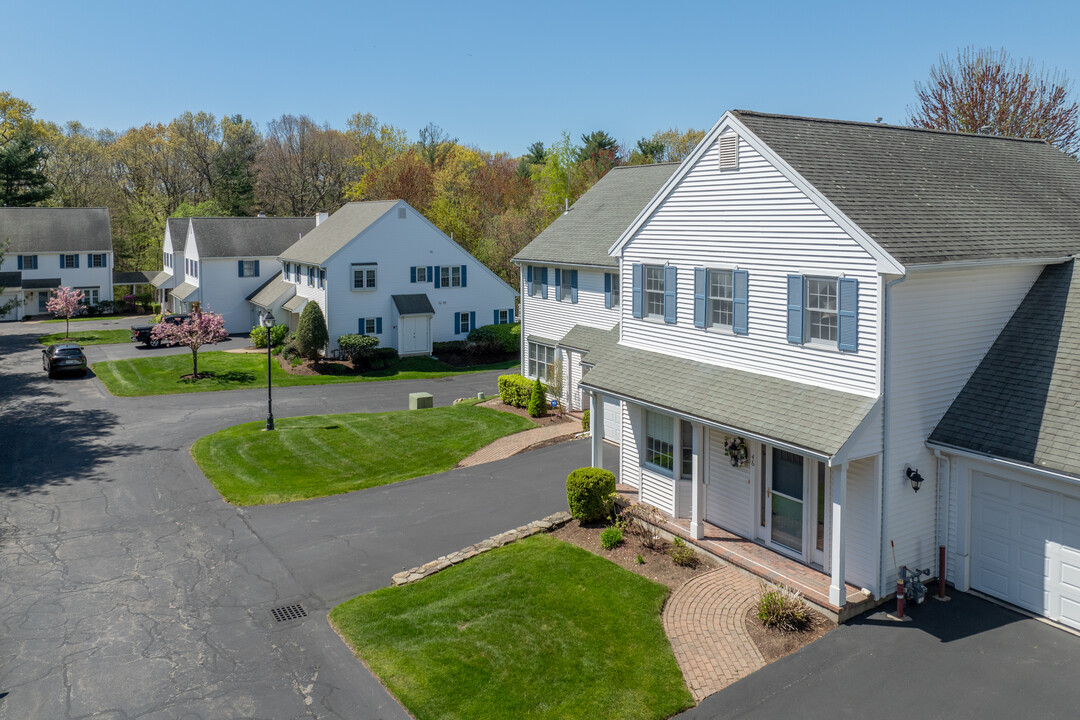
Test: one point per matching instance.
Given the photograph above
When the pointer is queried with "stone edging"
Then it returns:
(551, 522)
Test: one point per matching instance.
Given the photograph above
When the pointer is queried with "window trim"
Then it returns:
(646, 450)
(364, 268)
(720, 327)
(646, 314)
(534, 362)
(449, 280)
(808, 338)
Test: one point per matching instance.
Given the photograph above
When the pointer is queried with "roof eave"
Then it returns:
(938, 446)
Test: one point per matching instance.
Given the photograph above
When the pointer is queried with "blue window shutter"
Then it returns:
(472, 319)
(430, 270)
(378, 326)
(463, 278)
(457, 323)
(105, 260)
(360, 326)
(607, 290)
(528, 274)
(511, 315)
(795, 308)
(847, 291)
(256, 268)
(62, 256)
(412, 274)
(543, 282)
(700, 279)
(495, 320)
(76, 256)
(240, 268)
(438, 274)
(638, 289)
(33, 263)
(89, 260)
(741, 302)
(573, 286)
(20, 267)
(558, 284)
(670, 278)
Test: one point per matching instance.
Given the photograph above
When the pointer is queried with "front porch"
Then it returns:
(764, 563)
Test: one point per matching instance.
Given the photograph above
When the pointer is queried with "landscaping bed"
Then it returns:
(535, 629)
(319, 455)
(339, 368)
(774, 644)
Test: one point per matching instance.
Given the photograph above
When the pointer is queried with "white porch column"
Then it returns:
(596, 428)
(837, 591)
(697, 483)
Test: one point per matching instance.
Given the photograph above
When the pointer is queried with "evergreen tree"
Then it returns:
(233, 188)
(21, 181)
(538, 400)
(311, 334)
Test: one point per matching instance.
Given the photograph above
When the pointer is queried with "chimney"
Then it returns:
(320, 218)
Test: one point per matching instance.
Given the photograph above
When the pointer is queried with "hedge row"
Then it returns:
(516, 390)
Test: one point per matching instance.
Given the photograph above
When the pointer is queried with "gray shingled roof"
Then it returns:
(268, 293)
(928, 196)
(1021, 402)
(295, 303)
(11, 280)
(247, 237)
(40, 283)
(805, 416)
(586, 339)
(183, 290)
(337, 231)
(133, 277)
(161, 278)
(178, 228)
(34, 229)
(416, 304)
(583, 235)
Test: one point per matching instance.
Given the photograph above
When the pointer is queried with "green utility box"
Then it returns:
(420, 400)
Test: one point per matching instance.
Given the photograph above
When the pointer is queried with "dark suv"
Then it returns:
(57, 359)
(141, 333)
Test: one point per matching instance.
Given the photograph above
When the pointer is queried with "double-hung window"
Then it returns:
(90, 295)
(420, 274)
(659, 440)
(503, 317)
(27, 262)
(464, 322)
(541, 360)
(821, 310)
(654, 291)
(248, 268)
(721, 297)
(322, 278)
(69, 261)
(450, 276)
(615, 292)
(311, 276)
(565, 285)
(96, 260)
(364, 276)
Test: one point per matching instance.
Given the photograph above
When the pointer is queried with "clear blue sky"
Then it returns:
(499, 75)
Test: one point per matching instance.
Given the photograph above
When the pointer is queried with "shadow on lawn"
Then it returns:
(227, 377)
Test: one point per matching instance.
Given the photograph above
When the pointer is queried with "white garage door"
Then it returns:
(1025, 546)
(612, 420)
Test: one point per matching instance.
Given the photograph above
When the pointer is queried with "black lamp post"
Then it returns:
(268, 323)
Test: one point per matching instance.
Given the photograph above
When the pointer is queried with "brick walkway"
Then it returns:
(504, 447)
(705, 620)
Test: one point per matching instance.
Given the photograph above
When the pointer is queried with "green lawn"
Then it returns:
(161, 374)
(88, 337)
(536, 629)
(318, 455)
(99, 317)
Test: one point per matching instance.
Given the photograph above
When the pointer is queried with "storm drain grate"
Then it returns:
(288, 612)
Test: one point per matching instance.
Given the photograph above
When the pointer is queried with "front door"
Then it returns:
(414, 335)
(784, 499)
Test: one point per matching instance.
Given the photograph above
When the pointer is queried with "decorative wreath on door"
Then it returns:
(735, 449)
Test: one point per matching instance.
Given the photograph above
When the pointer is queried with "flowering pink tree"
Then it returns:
(65, 302)
(201, 328)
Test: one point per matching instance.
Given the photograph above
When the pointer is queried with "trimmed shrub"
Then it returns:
(277, 335)
(384, 358)
(311, 335)
(452, 346)
(497, 338)
(358, 347)
(683, 554)
(515, 390)
(782, 608)
(537, 400)
(585, 421)
(611, 538)
(589, 492)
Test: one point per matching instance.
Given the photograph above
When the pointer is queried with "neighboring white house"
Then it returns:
(225, 260)
(570, 284)
(49, 248)
(382, 269)
(172, 261)
(820, 292)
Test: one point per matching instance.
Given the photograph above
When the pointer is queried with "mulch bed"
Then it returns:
(550, 419)
(774, 644)
(322, 367)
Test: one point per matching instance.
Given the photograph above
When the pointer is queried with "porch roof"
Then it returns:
(11, 280)
(184, 290)
(133, 277)
(271, 291)
(160, 279)
(585, 339)
(40, 283)
(416, 304)
(295, 303)
(803, 416)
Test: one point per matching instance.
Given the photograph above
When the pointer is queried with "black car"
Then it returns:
(141, 333)
(57, 359)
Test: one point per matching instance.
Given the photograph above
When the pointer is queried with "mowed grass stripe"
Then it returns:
(88, 337)
(536, 629)
(163, 375)
(315, 456)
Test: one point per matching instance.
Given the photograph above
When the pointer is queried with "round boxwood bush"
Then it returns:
(588, 493)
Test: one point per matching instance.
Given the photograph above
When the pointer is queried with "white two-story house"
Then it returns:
(382, 269)
(172, 261)
(816, 294)
(48, 248)
(570, 286)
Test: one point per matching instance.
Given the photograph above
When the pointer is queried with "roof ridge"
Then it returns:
(889, 126)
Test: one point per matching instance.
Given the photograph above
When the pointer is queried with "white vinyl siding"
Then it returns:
(862, 515)
(940, 326)
(729, 497)
(755, 220)
(613, 414)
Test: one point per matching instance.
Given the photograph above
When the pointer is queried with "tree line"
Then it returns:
(200, 165)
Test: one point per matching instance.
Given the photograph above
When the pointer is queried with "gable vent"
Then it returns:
(728, 146)
(401, 213)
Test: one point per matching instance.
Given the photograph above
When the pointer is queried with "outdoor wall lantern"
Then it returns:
(914, 476)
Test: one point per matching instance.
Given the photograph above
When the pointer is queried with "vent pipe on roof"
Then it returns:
(320, 218)
(566, 205)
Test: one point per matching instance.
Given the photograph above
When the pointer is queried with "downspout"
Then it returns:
(885, 435)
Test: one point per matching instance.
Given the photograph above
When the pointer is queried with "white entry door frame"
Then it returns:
(414, 334)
